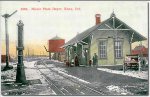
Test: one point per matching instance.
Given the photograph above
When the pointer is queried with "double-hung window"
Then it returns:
(118, 48)
(103, 49)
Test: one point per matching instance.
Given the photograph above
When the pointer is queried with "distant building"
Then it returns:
(54, 46)
(3, 58)
(111, 40)
(140, 50)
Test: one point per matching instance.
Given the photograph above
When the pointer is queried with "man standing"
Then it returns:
(76, 61)
(95, 59)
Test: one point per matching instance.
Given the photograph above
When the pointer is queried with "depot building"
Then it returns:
(111, 40)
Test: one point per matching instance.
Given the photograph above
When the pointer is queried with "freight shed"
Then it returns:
(54, 47)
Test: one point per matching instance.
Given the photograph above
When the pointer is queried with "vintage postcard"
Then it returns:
(74, 48)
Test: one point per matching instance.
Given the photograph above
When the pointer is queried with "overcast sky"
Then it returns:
(42, 25)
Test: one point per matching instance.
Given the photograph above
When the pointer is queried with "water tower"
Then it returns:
(54, 46)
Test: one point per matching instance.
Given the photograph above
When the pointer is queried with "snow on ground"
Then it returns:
(118, 90)
(47, 92)
(64, 72)
(31, 71)
(73, 77)
(50, 65)
(56, 68)
(57, 61)
(60, 69)
(136, 74)
(9, 74)
(56, 77)
(29, 64)
(41, 66)
(10, 63)
(31, 74)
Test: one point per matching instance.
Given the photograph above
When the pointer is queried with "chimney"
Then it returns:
(98, 18)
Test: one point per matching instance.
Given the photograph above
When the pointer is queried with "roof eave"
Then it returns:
(141, 36)
(85, 31)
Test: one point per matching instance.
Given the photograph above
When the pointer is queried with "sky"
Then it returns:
(40, 25)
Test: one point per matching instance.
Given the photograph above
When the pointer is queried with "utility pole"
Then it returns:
(6, 16)
(20, 75)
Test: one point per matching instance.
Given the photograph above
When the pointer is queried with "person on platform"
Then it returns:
(95, 60)
(76, 60)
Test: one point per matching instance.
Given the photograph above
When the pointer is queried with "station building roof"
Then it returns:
(79, 37)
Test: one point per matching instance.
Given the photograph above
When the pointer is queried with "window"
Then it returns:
(102, 49)
(118, 49)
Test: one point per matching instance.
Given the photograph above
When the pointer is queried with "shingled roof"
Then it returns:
(83, 35)
(86, 33)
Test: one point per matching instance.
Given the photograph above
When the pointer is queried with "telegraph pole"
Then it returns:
(6, 16)
(20, 76)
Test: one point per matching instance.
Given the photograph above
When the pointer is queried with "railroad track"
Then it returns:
(50, 82)
(64, 91)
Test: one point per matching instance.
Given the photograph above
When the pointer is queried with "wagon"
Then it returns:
(131, 61)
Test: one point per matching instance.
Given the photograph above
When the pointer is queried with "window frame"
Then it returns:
(104, 48)
(118, 40)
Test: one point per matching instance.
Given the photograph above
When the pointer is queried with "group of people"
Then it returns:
(93, 62)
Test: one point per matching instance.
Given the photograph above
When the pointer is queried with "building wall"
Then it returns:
(110, 37)
(126, 51)
(93, 48)
(110, 52)
(3, 59)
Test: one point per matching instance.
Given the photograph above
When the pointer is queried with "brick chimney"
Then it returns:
(98, 18)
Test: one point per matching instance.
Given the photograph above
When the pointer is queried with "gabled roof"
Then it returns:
(83, 35)
(86, 33)
(136, 36)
